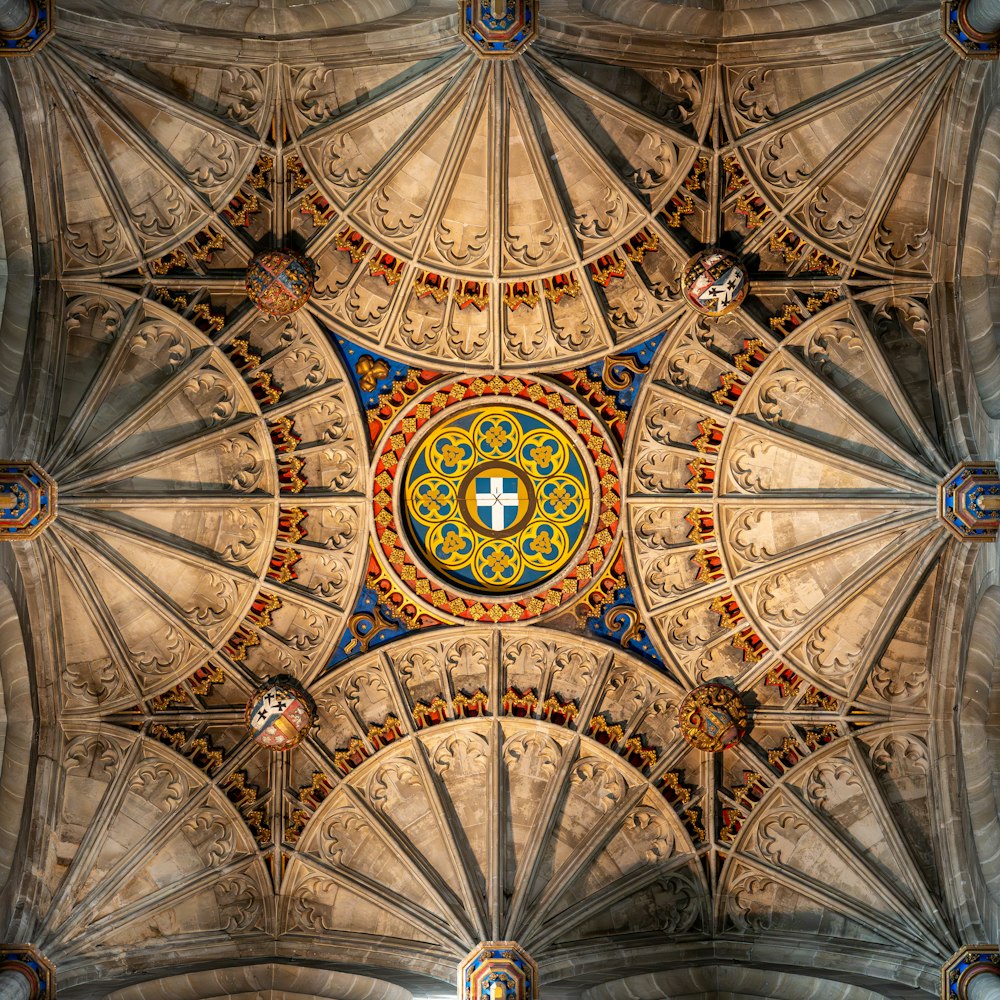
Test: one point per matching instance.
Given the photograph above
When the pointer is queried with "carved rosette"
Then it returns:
(26, 961)
(964, 966)
(969, 501)
(713, 717)
(498, 970)
(27, 501)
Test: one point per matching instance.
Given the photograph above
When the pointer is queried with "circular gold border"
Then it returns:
(566, 587)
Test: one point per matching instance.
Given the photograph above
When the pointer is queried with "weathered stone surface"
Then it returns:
(490, 232)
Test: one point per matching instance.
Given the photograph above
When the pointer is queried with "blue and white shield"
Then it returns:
(721, 293)
(498, 501)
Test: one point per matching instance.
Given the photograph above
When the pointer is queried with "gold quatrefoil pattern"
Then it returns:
(497, 499)
(486, 496)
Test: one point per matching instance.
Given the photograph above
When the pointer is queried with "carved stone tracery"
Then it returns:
(781, 461)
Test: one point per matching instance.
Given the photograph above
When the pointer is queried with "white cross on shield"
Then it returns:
(497, 501)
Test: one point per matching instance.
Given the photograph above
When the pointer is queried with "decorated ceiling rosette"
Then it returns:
(497, 498)
(494, 500)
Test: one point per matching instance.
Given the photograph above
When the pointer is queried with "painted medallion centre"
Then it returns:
(497, 499)
(494, 500)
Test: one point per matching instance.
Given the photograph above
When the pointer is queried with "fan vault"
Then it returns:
(591, 548)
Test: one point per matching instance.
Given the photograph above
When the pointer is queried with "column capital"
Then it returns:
(964, 966)
(498, 970)
(963, 37)
(28, 961)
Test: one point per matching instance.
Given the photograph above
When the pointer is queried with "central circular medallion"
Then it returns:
(715, 282)
(497, 498)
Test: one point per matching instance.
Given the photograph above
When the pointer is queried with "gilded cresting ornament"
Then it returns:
(713, 717)
(279, 282)
(280, 713)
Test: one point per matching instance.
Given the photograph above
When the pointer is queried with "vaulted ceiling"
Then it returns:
(508, 234)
